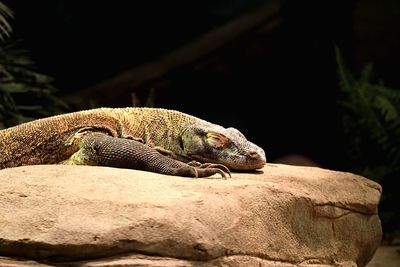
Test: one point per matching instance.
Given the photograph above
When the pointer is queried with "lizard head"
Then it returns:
(226, 146)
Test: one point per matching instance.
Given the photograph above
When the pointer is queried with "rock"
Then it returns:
(99, 216)
(386, 256)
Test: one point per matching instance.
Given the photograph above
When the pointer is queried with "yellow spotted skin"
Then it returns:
(45, 141)
(169, 138)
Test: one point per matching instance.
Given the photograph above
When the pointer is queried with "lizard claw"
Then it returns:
(221, 169)
(194, 163)
(208, 169)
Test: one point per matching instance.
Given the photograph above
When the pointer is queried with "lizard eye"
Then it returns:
(217, 140)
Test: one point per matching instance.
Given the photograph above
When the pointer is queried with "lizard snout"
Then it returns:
(254, 155)
(257, 158)
(252, 160)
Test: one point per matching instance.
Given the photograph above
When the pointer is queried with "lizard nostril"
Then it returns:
(254, 154)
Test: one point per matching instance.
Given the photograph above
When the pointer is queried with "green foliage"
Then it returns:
(371, 119)
(24, 93)
(5, 27)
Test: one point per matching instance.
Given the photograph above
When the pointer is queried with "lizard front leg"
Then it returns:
(171, 154)
(104, 150)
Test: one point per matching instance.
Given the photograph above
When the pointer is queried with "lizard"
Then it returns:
(151, 139)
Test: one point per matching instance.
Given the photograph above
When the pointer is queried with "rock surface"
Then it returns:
(98, 216)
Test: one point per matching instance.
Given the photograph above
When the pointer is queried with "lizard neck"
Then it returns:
(157, 127)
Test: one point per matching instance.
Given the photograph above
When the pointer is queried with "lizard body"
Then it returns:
(158, 140)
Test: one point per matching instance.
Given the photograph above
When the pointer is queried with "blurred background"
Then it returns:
(312, 82)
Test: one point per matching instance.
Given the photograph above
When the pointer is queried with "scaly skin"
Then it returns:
(158, 140)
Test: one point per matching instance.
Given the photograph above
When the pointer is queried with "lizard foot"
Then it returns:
(197, 165)
(194, 163)
(207, 169)
(221, 167)
(204, 170)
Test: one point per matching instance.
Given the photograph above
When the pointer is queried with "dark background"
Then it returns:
(278, 86)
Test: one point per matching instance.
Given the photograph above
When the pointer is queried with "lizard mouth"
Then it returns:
(247, 165)
(239, 163)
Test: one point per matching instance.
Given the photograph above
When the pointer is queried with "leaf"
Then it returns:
(25, 94)
(371, 120)
(5, 27)
(37, 107)
(386, 91)
(13, 88)
(150, 100)
(345, 78)
(366, 73)
(386, 108)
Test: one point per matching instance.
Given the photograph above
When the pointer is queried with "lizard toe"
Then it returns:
(194, 163)
(205, 172)
(221, 167)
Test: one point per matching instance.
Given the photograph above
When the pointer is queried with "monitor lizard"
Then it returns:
(151, 139)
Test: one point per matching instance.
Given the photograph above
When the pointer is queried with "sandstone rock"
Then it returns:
(98, 216)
